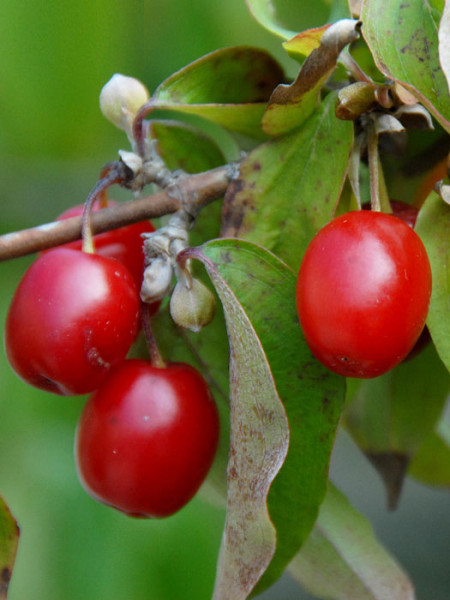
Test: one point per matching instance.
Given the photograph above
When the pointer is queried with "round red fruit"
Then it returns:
(147, 438)
(123, 244)
(363, 292)
(73, 316)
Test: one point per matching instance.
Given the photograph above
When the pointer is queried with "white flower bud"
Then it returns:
(192, 307)
(121, 98)
(157, 279)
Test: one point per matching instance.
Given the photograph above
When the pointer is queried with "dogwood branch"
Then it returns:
(190, 192)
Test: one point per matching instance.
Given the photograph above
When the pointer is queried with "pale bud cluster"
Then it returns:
(192, 305)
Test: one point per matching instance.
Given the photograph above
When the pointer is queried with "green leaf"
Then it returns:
(431, 464)
(433, 226)
(290, 105)
(264, 12)
(229, 87)
(284, 193)
(184, 147)
(9, 539)
(403, 38)
(342, 559)
(274, 359)
(390, 416)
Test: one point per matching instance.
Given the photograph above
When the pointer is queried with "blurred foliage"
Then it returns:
(53, 143)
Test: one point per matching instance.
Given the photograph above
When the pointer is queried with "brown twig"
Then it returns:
(190, 191)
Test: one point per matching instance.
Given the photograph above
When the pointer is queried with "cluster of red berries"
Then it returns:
(363, 291)
(148, 434)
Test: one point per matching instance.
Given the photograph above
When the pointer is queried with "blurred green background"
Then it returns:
(53, 142)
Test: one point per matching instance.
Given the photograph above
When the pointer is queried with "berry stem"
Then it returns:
(378, 192)
(155, 355)
(111, 175)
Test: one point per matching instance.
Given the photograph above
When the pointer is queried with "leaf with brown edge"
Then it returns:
(9, 539)
(290, 105)
(311, 395)
(258, 446)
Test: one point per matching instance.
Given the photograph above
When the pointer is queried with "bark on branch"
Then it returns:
(190, 191)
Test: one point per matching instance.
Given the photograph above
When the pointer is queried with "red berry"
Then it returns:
(73, 316)
(147, 438)
(363, 292)
(123, 244)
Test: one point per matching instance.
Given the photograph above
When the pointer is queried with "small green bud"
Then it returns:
(192, 307)
(121, 98)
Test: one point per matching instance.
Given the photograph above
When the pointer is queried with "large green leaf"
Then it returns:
(284, 193)
(229, 87)
(9, 539)
(390, 416)
(342, 559)
(270, 363)
(403, 38)
(433, 226)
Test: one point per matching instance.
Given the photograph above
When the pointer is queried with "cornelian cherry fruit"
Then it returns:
(363, 292)
(147, 438)
(72, 318)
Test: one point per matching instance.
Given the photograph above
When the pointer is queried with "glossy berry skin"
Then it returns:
(363, 292)
(73, 316)
(147, 438)
(123, 244)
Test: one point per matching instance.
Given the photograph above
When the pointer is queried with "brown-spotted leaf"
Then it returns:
(311, 395)
(258, 445)
(290, 105)
(289, 187)
(9, 539)
(403, 38)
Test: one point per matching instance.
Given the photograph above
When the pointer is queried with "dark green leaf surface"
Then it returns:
(433, 226)
(9, 539)
(342, 559)
(290, 187)
(256, 286)
(229, 86)
(403, 37)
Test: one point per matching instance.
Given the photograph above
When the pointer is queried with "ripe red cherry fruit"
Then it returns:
(147, 438)
(73, 316)
(363, 292)
(123, 244)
